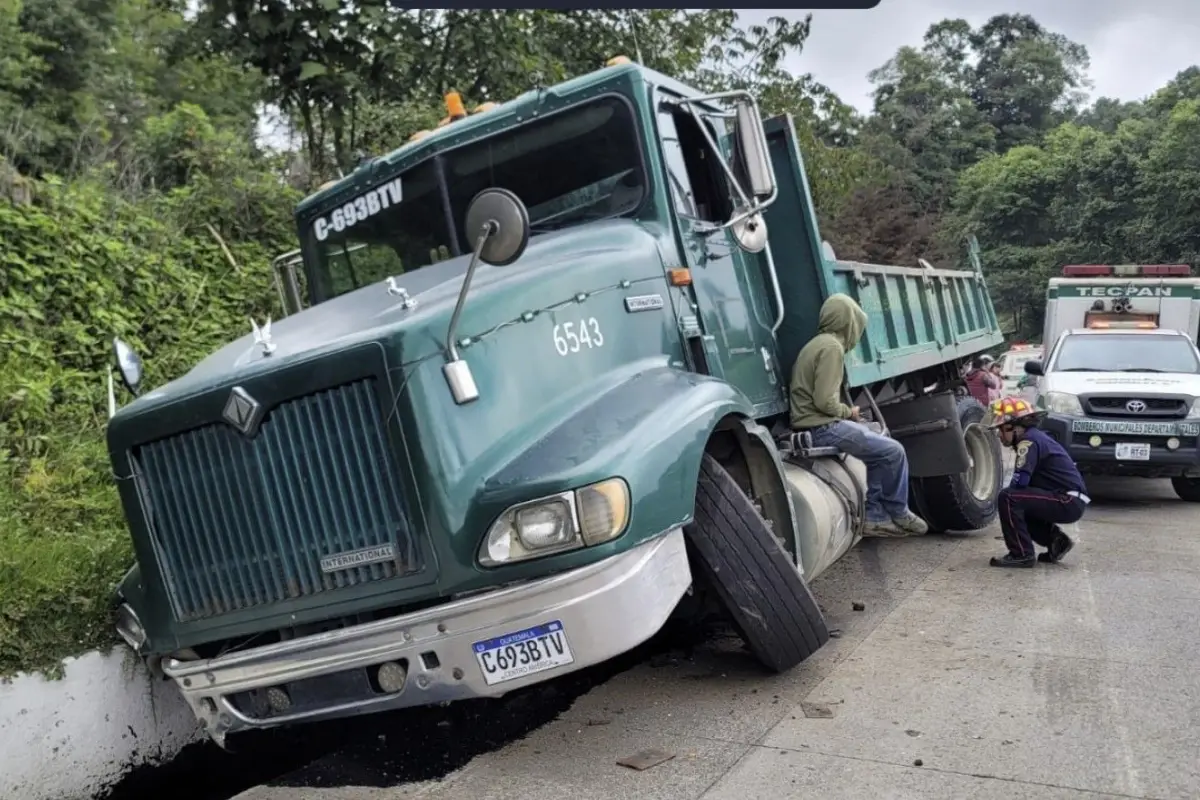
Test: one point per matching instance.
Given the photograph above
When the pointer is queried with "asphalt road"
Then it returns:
(954, 680)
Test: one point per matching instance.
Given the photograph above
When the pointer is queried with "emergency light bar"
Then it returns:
(1111, 324)
(1126, 270)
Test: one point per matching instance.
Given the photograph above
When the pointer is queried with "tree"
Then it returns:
(925, 125)
(1169, 187)
(1027, 79)
(1107, 113)
(349, 75)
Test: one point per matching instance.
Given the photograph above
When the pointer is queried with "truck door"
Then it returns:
(732, 336)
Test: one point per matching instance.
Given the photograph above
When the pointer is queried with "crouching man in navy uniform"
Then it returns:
(1046, 488)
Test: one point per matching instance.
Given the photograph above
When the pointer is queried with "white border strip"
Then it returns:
(73, 738)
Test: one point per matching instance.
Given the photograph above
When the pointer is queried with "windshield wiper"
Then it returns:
(563, 222)
(1083, 369)
(1144, 369)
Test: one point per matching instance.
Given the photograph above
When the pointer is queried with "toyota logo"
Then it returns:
(1135, 406)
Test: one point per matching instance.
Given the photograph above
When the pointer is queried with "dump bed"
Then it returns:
(918, 316)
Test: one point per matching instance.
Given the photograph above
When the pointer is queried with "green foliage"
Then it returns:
(1085, 195)
(63, 545)
(155, 212)
(171, 271)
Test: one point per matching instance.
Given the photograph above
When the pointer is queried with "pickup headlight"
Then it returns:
(1062, 403)
(588, 516)
(1195, 412)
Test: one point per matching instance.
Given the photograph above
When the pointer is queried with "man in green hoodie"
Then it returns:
(817, 407)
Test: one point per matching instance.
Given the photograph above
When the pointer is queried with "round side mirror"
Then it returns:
(510, 226)
(129, 364)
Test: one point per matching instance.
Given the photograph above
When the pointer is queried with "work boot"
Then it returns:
(1060, 545)
(1009, 560)
(911, 524)
(882, 529)
(897, 528)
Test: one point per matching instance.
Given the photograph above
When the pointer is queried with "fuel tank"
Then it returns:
(827, 495)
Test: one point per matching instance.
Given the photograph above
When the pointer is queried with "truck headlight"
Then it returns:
(1195, 412)
(1062, 403)
(588, 516)
(603, 510)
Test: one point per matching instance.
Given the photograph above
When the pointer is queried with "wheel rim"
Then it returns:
(981, 472)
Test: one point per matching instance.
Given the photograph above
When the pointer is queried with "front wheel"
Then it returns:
(1188, 489)
(738, 556)
(965, 501)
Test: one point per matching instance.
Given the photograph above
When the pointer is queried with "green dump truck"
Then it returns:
(528, 395)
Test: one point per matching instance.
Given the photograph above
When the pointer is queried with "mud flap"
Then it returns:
(929, 429)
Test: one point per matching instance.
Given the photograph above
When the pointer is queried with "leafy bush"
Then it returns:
(173, 273)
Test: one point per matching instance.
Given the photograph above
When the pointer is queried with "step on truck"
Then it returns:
(528, 395)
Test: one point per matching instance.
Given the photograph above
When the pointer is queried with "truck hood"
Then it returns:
(368, 313)
(1147, 383)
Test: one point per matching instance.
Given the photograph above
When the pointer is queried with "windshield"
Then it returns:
(568, 168)
(1126, 353)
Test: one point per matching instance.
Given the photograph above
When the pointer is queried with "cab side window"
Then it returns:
(699, 187)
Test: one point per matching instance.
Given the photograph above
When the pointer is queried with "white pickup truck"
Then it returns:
(1123, 400)
(1012, 369)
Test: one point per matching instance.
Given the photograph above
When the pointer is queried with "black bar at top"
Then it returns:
(560, 5)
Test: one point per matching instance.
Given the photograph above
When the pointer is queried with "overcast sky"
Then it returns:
(1135, 45)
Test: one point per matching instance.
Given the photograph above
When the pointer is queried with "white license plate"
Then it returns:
(1128, 451)
(515, 655)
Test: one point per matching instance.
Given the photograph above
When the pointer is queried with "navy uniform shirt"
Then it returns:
(1042, 463)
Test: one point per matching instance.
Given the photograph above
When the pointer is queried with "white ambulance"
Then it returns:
(1098, 296)
(1121, 376)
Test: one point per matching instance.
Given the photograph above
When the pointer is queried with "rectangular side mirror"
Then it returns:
(287, 283)
(755, 161)
(1034, 368)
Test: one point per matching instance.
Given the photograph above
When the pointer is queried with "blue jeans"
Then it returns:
(887, 465)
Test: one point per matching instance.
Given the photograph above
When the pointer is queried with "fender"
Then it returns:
(769, 484)
(650, 430)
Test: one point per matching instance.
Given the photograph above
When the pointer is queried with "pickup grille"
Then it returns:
(1155, 407)
(239, 523)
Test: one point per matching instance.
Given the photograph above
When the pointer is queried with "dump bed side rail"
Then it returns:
(917, 317)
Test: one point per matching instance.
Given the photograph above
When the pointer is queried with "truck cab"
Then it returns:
(528, 400)
(1125, 400)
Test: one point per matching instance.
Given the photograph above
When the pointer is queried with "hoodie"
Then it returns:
(816, 386)
(982, 385)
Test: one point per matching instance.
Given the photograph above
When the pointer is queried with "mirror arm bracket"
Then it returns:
(751, 206)
(456, 371)
(487, 230)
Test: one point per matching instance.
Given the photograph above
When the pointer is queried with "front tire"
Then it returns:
(965, 501)
(1188, 489)
(754, 577)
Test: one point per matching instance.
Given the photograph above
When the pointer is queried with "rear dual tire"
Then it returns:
(965, 501)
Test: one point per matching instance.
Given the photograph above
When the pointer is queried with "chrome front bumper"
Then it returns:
(606, 609)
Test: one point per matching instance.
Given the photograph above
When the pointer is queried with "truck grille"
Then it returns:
(1154, 407)
(239, 522)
